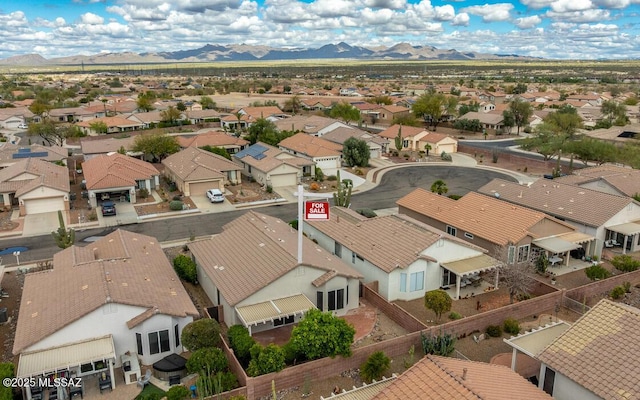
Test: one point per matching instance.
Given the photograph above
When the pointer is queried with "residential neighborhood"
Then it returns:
(349, 242)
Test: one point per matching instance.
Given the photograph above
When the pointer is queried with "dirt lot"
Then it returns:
(12, 284)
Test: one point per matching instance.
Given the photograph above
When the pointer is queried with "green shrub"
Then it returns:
(7, 370)
(445, 156)
(625, 263)
(291, 356)
(511, 325)
(207, 359)
(143, 193)
(597, 272)
(176, 205)
(332, 178)
(454, 315)
(177, 198)
(627, 287)
(265, 360)
(617, 292)
(322, 334)
(201, 334)
(375, 367)
(367, 212)
(494, 330)
(442, 345)
(186, 268)
(228, 380)
(241, 343)
(269, 189)
(454, 196)
(178, 393)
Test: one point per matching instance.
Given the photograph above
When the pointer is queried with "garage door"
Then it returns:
(447, 148)
(199, 189)
(284, 180)
(49, 204)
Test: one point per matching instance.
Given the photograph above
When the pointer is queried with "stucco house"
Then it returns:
(601, 215)
(118, 175)
(271, 166)
(11, 117)
(251, 272)
(607, 178)
(230, 143)
(35, 185)
(103, 145)
(405, 256)
(377, 145)
(115, 124)
(325, 154)
(12, 153)
(118, 295)
(415, 139)
(195, 171)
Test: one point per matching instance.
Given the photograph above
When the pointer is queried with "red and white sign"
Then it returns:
(316, 210)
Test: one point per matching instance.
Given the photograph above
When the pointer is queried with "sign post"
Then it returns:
(310, 210)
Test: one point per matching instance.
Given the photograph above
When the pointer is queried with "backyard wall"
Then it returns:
(603, 286)
(523, 161)
(391, 310)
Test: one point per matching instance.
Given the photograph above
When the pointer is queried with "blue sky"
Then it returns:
(558, 29)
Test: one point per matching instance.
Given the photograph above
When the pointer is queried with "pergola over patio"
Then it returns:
(272, 310)
(629, 230)
(471, 266)
(533, 342)
(557, 245)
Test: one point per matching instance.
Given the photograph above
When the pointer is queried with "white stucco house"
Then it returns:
(116, 296)
(251, 272)
(271, 166)
(406, 257)
(325, 154)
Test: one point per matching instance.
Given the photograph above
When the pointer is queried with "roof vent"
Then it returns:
(497, 195)
(464, 374)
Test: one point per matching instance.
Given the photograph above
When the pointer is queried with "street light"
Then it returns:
(17, 254)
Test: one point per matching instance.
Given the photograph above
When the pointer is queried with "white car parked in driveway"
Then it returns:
(215, 195)
(23, 126)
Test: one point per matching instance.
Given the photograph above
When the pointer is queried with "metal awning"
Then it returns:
(533, 342)
(258, 313)
(628, 229)
(576, 237)
(471, 265)
(39, 362)
(556, 244)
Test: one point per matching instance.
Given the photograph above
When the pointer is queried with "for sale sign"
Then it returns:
(316, 210)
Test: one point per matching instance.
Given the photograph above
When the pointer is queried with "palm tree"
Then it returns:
(439, 187)
(427, 147)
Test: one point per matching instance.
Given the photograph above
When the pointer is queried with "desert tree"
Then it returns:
(345, 112)
(439, 187)
(157, 145)
(438, 301)
(514, 270)
(355, 152)
(521, 111)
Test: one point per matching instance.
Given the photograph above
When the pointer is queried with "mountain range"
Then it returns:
(244, 52)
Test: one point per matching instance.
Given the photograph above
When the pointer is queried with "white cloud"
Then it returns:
(376, 17)
(390, 4)
(461, 19)
(580, 16)
(91, 19)
(527, 22)
(444, 13)
(562, 6)
(491, 12)
(537, 4)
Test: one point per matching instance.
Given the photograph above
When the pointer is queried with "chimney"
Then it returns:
(464, 374)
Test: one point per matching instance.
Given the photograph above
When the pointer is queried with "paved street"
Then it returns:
(393, 185)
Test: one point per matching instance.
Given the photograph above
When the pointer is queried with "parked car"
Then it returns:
(108, 208)
(23, 126)
(215, 195)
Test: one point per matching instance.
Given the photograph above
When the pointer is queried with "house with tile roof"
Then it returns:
(116, 174)
(384, 114)
(405, 256)
(415, 138)
(494, 224)
(11, 117)
(607, 178)
(271, 166)
(35, 185)
(118, 295)
(92, 146)
(325, 154)
(489, 120)
(377, 145)
(230, 143)
(76, 114)
(11, 153)
(251, 271)
(597, 357)
(448, 378)
(115, 124)
(195, 171)
(310, 124)
(601, 215)
(147, 119)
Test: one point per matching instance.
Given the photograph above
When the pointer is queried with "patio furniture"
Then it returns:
(77, 390)
(36, 393)
(553, 260)
(104, 382)
(611, 243)
(144, 381)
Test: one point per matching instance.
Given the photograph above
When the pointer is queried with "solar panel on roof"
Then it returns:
(24, 150)
(29, 155)
(256, 151)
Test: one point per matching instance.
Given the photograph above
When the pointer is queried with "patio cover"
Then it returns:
(628, 229)
(556, 245)
(471, 265)
(576, 237)
(255, 314)
(39, 362)
(532, 343)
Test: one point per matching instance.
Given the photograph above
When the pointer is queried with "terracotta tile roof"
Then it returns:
(254, 250)
(115, 170)
(568, 202)
(389, 242)
(308, 124)
(147, 117)
(341, 134)
(625, 180)
(394, 109)
(121, 268)
(44, 173)
(261, 112)
(212, 138)
(106, 145)
(54, 153)
(407, 131)
(480, 215)
(433, 137)
(111, 122)
(601, 351)
(273, 159)
(445, 378)
(311, 146)
(193, 163)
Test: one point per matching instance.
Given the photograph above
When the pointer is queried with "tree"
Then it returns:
(355, 152)
(221, 151)
(265, 360)
(99, 127)
(433, 106)
(521, 111)
(293, 104)
(406, 120)
(185, 267)
(375, 367)
(384, 100)
(157, 145)
(201, 333)
(241, 343)
(427, 148)
(145, 102)
(7, 370)
(207, 103)
(321, 334)
(514, 270)
(438, 301)
(342, 197)
(53, 134)
(439, 187)
(465, 108)
(210, 359)
(616, 113)
(564, 121)
(171, 115)
(181, 106)
(345, 112)
(64, 238)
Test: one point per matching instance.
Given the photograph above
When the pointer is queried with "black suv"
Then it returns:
(108, 208)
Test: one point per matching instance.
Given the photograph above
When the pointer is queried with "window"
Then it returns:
(451, 230)
(523, 253)
(159, 342)
(468, 235)
(403, 282)
(340, 298)
(165, 345)
(405, 143)
(335, 300)
(549, 380)
(417, 281)
(320, 301)
(154, 345)
(139, 343)
(337, 249)
(511, 255)
(176, 334)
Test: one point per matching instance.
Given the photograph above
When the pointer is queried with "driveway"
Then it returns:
(40, 224)
(204, 205)
(125, 214)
